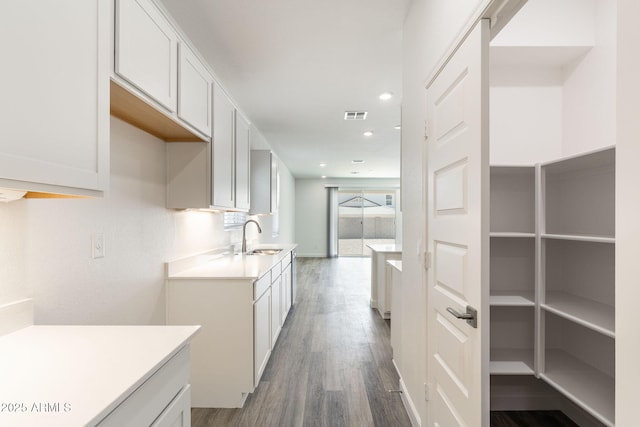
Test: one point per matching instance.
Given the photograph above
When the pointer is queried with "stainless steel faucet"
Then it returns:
(244, 233)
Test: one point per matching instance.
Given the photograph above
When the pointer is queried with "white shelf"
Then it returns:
(580, 238)
(508, 361)
(588, 387)
(579, 162)
(593, 315)
(509, 234)
(512, 299)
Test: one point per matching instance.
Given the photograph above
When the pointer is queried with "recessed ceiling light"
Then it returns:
(354, 172)
(368, 133)
(322, 165)
(386, 96)
(357, 161)
(397, 127)
(323, 176)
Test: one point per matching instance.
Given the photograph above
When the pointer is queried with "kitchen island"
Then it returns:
(380, 288)
(241, 301)
(95, 375)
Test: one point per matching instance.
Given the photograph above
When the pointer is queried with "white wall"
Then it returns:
(590, 115)
(562, 101)
(526, 124)
(311, 210)
(627, 208)
(45, 249)
(420, 52)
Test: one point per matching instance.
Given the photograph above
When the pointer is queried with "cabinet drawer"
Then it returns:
(149, 400)
(275, 271)
(261, 285)
(178, 413)
(286, 261)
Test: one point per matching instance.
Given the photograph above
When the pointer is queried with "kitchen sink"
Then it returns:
(264, 252)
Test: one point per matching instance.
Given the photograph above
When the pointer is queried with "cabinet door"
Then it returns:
(54, 85)
(195, 86)
(286, 292)
(147, 50)
(264, 182)
(223, 152)
(276, 309)
(243, 163)
(261, 334)
(178, 413)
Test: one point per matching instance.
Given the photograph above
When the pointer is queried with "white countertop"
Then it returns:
(397, 264)
(385, 248)
(232, 266)
(79, 373)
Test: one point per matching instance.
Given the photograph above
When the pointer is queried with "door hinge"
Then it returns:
(427, 260)
(427, 392)
(426, 130)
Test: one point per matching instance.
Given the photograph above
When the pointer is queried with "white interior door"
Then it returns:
(458, 235)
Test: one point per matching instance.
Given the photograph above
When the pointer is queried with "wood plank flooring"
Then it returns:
(530, 419)
(332, 363)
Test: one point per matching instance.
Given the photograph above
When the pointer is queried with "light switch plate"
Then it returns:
(97, 245)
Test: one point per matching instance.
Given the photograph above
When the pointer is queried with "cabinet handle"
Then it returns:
(471, 316)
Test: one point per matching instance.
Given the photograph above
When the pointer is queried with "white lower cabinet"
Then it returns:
(262, 334)
(240, 319)
(178, 413)
(287, 289)
(162, 400)
(277, 308)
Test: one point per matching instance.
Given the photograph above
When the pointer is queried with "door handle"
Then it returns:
(471, 316)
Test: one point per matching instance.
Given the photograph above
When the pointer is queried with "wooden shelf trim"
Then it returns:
(135, 111)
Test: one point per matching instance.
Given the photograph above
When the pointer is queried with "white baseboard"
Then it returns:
(409, 406)
(16, 315)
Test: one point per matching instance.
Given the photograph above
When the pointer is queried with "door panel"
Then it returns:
(458, 235)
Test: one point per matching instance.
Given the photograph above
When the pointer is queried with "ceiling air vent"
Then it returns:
(355, 115)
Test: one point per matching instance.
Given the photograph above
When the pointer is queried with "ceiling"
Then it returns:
(295, 66)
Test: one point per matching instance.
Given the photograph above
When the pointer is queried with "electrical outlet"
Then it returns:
(97, 245)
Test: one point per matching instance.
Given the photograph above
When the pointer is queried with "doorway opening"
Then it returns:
(365, 217)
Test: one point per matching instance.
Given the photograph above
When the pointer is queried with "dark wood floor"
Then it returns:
(530, 419)
(332, 362)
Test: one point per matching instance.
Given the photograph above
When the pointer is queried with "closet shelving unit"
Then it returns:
(512, 289)
(552, 286)
(577, 281)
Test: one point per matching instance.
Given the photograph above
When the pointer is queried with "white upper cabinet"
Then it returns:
(243, 163)
(147, 50)
(194, 96)
(216, 175)
(54, 113)
(223, 151)
(158, 82)
(264, 182)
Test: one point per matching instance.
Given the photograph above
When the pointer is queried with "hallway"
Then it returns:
(332, 362)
